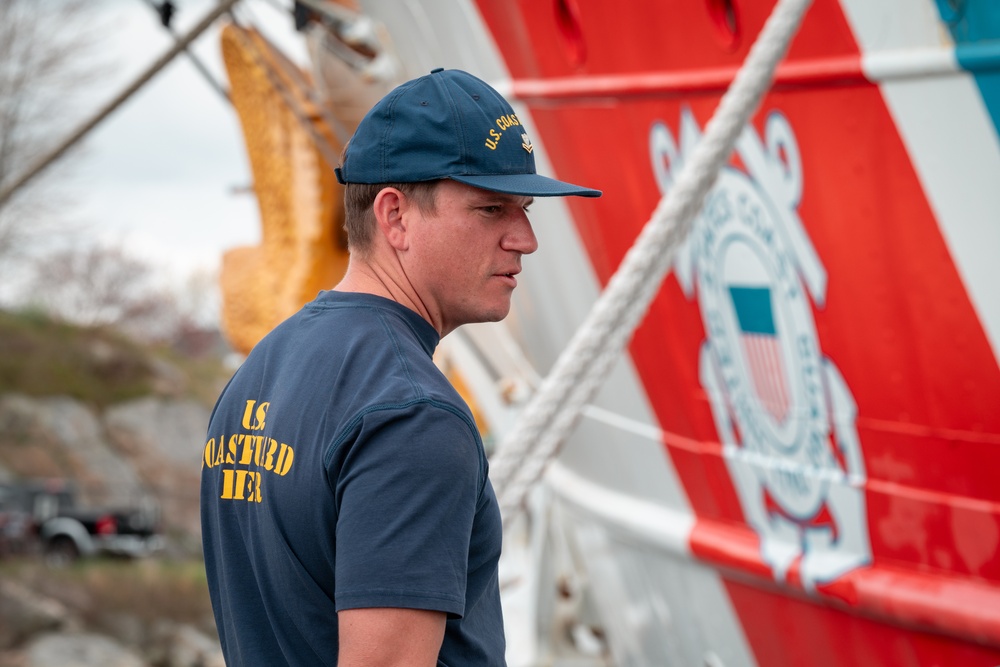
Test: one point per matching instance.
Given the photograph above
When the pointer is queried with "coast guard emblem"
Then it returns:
(784, 415)
(526, 142)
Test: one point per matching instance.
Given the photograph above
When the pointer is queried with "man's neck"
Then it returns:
(369, 278)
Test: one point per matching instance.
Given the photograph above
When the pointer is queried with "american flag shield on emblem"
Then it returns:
(762, 348)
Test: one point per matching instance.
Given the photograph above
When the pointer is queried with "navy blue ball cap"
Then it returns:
(448, 124)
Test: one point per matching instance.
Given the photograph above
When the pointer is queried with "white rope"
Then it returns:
(549, 418)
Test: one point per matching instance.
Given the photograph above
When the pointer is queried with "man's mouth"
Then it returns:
(510, 277)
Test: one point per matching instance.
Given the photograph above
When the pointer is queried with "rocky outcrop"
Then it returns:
(175, 646)
(163, 440)
(145, 449)
(24, 614)
(60, 437)
(39, 631)
(80, 650)
(185, 646)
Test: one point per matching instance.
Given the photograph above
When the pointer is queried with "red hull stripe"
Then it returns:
(817, 73)
(931, 602)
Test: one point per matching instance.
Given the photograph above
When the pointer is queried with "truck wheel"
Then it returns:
(61, 551)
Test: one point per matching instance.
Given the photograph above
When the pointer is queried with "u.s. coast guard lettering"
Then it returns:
(784, 414)
(504, 123)
(249, 455)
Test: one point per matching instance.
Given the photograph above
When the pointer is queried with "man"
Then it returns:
(346, 511)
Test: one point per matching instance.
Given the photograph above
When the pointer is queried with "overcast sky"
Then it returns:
(166, 173)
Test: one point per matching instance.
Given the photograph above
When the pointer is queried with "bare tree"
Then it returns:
(196, 327)
(97, 286)
(106, 286)
(46, 56)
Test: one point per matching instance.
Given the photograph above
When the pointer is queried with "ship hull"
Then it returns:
(794, 463)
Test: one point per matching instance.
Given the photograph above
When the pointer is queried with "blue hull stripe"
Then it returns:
(975, 27)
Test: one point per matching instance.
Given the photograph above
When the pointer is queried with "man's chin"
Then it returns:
(495, 314)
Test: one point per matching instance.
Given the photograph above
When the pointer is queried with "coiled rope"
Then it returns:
(554, 410)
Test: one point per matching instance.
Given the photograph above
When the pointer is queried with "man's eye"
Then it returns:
(490, 209)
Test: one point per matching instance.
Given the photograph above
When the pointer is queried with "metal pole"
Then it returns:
(151, 71)
(196, 61)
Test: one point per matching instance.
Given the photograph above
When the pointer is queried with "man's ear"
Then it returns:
(389, 206)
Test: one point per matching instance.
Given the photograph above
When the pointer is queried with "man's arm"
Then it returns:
(389, 637)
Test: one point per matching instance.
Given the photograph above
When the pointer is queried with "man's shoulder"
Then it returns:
(337, 325)
(367, 317)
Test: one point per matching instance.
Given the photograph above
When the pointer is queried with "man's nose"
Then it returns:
(520, 237)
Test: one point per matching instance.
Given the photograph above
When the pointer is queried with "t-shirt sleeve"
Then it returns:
(406, 489)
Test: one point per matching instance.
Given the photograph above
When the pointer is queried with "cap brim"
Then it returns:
(528, 185)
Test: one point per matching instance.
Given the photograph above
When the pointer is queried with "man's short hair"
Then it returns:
(359, 214)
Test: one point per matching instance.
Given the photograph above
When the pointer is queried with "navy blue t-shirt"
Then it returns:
(342, 470)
